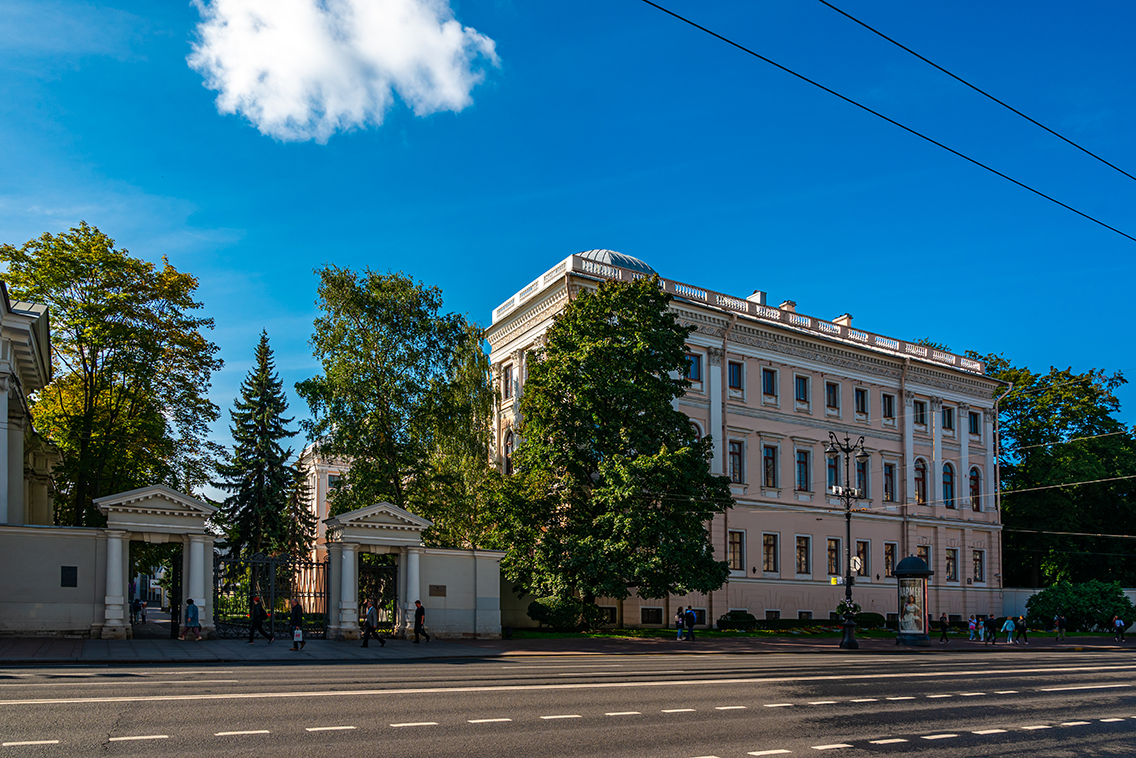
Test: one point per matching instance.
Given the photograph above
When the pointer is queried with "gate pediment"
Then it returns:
(155, 509)
(381, 524)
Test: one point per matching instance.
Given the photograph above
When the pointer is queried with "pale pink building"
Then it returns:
(769, 384)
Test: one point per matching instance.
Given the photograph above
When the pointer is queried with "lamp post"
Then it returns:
(847, 494)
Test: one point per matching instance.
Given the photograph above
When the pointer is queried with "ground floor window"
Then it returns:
(650, 615)
(773, 614)
(608, 612)
(804, 614)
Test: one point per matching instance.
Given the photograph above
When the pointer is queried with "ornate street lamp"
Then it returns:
(848, 495)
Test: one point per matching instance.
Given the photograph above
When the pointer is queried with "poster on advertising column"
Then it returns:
(912, 617)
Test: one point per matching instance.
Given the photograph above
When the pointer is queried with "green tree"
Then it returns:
(613, 490)
(399, 397)
(1086, 605)
(128, 404)
(1059, 429)
(260, 513)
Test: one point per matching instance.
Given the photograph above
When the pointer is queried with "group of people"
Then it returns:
(257, 617)
(987, 629)
(137, 610)
(685, 621)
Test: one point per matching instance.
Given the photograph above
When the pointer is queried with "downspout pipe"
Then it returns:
(903, 442)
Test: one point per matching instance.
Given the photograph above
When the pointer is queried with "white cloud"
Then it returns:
(304, 69)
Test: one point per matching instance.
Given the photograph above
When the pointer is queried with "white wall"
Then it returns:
(471, 606)
(31, 598)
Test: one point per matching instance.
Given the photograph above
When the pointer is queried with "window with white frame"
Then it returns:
(952, 564)
(832, 396)
(948, 485)
(833, 468)
(861, 400)
(694, 367)
(919, 413)
(735, 377)
(804, 615)
(891, 549)
(975, 423)
(507, 382)
(769, 465)
(769, 382)
(923, 553)
(801, 389)
(889, 482)
(650, 616)
(975, 489)
(863, 552)
(921, 482)
(834, 556)
(979, 565)
(948, 419)
(737, 461)
(804, 471)
(804, 555)
(770, 560)
(863, 478)
(887, 407)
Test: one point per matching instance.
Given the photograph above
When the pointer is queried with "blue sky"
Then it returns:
(560, 127)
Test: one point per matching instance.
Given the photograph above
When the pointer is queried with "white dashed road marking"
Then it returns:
(624, 713)
(863, 700)
(1006, 692)
(932, 697)
(971, 694)
(990, 731)
(233, 734)
(938, 736)
(1074, 723)
(30, 742)
(778, 705)
(407, 723)
(905, 697)
(830, 747)
(742, 708)
(141, 737)
(679, 710)
(563, 716)
(770, 752)
(1110, 721)
(1085, 687)
(822, 702)
(335, 728)
(891, 741)
(487, 721)
(1036, 726)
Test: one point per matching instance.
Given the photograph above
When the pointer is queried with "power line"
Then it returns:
(891, 121)
(1071, 534)
(976, 89)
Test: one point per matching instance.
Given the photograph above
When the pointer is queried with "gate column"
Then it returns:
(349, 592)
(114, 604)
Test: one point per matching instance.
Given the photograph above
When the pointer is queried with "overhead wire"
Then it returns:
(982, 92)
(890, 120)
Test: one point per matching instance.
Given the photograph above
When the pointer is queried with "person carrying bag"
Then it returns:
(296, 621)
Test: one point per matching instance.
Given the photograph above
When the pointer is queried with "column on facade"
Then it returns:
(16, 511)
(989, 481)
(5, 382)
(413, 579)
(909, 445)
(334, 588)
(936, 473)
(349, 591)
(962, 478)
(714, 380)
(114, 603)
(196, 578)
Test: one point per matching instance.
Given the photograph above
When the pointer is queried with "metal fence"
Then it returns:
(276, 580)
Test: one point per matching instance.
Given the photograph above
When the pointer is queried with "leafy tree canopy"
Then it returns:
(128, 405)
(613, 490)
(1087, 605)
(1066, 465)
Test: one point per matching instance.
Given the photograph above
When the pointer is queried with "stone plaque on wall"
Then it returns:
(437, 590)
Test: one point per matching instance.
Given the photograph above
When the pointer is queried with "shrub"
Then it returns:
(742, 620)
(869, 620)
(565, 614)
(1086, 605)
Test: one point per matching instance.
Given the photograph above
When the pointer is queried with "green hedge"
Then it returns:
(744, 621)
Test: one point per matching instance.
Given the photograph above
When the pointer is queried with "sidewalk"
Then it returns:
(19, 652)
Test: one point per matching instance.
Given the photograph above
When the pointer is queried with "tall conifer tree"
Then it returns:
(259, 512)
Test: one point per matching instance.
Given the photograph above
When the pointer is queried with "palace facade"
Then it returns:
(769, 384)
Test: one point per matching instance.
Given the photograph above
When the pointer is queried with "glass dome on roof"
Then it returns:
(612, 258)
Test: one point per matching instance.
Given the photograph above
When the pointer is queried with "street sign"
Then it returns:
(857, 563)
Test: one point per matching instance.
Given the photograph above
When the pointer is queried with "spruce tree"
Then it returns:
(258, 512)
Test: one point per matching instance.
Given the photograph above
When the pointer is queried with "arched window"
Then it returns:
(697, 430)
(920, 482)
(509, 445)
(948, 485)
(975, 489)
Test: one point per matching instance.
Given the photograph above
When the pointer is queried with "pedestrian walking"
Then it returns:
(991, 630)
(980, 629)
(142, 611)
(1008, 628)
(419, 621)
(1119, 626)
(680, 621)
(1060, 624)
(370, 622)
(691, 619)
(972, 625)
(192, 621)
(944, 625)
(296, 626)
(257, 617)
(1020, 626)
(135, 605)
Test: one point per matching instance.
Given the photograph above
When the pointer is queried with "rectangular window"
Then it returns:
(805, 615)
(975, 423)
(889, 482)
(919, 411)
(861, 400)
(694, 367)
(608, 612)
(769, 382)
(769, 465)
(833, 466)
(735, 375)
(772, 615)
(948, 418)
(862, 477)
(700, 617)
(833, 556)
(890, 550)
(332, 480)
(832, 395)
(769, 560)
(862, 553)
(887, 406)
(980, 565)
(801, 389)
(923, 553)
(737, 461)
(650, 615)
(804, 477)
(737, 551)
(952, 564)
(507, 382)
(804, 556)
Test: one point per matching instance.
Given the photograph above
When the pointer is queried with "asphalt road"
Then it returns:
(679, 706)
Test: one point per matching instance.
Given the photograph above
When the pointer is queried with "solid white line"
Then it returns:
(569, 666)
(30, 742)
(1036, 726)
(141, 737)
(231, 734)
(487, 721)
(608, 673)
(1085, 687)
(1110, 721)
(624, 713)
(1074, 723)
(892, 741)
(778, 705)
(770, 752)
(331, 728)
(679, 710)
(990, 731)
(830, 747)
(564, 716)
(742, 708)
(905, 697)
(410, 723)
(932, 697)
(938, 736)
(822, 702)
(569, 686)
